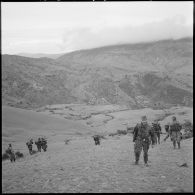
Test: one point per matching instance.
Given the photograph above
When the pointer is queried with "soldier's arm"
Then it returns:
(160, 128)
(166, 137)
(135, 132)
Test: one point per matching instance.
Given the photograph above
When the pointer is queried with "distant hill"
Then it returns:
(40, 55)
(156, 74)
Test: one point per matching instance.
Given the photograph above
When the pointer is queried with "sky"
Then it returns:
(60, 27)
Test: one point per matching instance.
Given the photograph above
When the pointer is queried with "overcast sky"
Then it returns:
(59, 27)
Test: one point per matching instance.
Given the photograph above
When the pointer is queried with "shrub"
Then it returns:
(121, 132)
(5, 156)
(19, 154)
(67, 141)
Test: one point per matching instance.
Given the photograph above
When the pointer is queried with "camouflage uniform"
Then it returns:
(97, 140)
(11, 153)
(38, 143)
(29, 145)
(44, 144)
(175, 129)
(142, 134)
(157, 131)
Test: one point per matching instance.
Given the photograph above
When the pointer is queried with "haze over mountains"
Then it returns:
(138, 75)
(40, 55)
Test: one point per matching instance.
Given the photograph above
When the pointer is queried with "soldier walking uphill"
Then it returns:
(141, 136)
(29, 145)
(38, 143)
(44, 144)
(11, 153)
(175, 133)
(157, 131)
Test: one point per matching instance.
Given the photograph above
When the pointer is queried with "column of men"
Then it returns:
(40, 143)
(145, 135)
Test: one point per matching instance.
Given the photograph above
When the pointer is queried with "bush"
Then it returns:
(5, 156)
(121, 132)
(66, 141)
(19, 154)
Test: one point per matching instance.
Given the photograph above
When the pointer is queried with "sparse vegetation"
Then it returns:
(5, 156)
(19, 154)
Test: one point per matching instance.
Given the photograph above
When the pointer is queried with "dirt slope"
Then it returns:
(83, 167)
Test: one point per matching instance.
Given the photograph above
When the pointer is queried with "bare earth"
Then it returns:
(83, 167)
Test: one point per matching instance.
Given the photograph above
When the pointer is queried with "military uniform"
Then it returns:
(97, 140)
(44, 144)
(175, 129)
(38, 143)
(11, 153)
(157, 131)
(29, 145)
(141, 137)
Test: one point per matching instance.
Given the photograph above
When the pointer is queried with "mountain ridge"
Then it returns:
(138, 75)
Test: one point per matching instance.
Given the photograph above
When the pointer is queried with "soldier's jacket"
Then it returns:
(175, 126)
(166, 128)
(142, 131)
(156, 127)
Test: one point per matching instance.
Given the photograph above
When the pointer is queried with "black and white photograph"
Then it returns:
(97, 97)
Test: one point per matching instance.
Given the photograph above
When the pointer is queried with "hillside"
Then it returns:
(157, 74)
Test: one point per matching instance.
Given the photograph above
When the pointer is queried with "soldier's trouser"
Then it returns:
(153, 139)
(139, 144)
(176, 137)
(39, 148)
(158, 137)
(30, 149)
(44, 147)
(12, 157)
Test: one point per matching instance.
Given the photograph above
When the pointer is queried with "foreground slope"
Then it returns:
(83, 167)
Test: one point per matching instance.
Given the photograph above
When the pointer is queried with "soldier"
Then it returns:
(11, 153)
(44, 144)
(29, 145)
(167, 129)
(141, 136)
(157, 131)
(96, 139)
(175, 129)
(38, 143)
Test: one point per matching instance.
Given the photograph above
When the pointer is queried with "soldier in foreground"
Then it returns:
(175, 133)
(141, 136)
(29, 145)
(157, 131)
(11, 153)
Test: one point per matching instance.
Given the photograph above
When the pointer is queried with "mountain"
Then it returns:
(155, 74)
(39, 55)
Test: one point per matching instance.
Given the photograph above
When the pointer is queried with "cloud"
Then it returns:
(86, 37)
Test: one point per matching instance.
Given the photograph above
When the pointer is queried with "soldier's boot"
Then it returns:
(146, 158)
(178, 145)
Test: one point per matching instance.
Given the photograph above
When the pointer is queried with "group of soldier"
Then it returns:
(10, 152)
(145, 135)
(40, 143)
